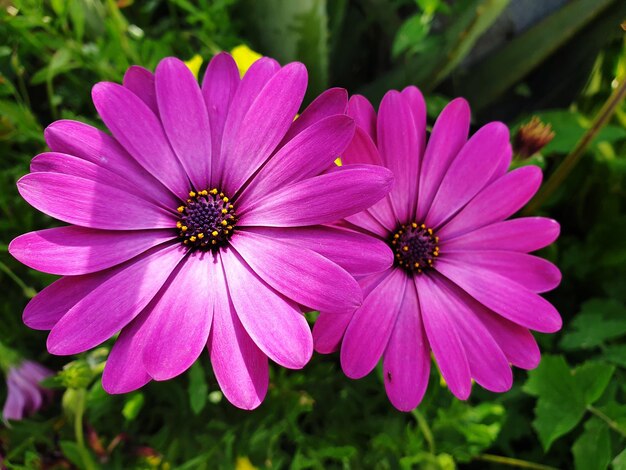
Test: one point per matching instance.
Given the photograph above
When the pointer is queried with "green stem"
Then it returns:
(78, 429)
(29, 292)
(568, 164)
(511, 462)
(609, 422)
(428, 434)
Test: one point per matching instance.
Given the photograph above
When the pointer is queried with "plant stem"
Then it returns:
(568, 164)
(29, 292)
(609, 422)
(78, 429)
(511, 462)
(428, 434)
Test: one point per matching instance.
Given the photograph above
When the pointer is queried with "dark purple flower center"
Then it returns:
(415, 247)
(207, 219)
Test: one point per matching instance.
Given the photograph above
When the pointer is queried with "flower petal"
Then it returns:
(240, 367)
(417, 105)
(443, 337)
(180, 318)
(328, 331)
(524, 235)
(534, 273)
(114, 303)
(274, 323)
(448, 136)
(308, 154)
(77, 250)
(496, 202)
(139, 130)
(185, 119)
(367, 221)
(361, 150)
(406, 361)
(90, 203)
(503, 296)
(314, 200)
(303, 275)
(368, 333)
(356, 252)
(264, 125)
(469, 171)
(363, 113)
(141, 82)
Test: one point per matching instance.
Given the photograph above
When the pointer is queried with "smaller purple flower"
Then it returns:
(25, 395)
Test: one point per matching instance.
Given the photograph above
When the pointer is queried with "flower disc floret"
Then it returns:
(415, 247)
(207, 219)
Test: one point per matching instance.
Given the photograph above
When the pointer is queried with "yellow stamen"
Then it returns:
(192, 194)
(181, 209)
(225, 199)
(192, 238)
(201, 235)
(215, 233)
(184, 228)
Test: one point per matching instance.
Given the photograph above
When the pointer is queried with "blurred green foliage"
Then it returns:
(512, 60)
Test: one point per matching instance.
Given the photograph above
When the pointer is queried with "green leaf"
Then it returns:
(563, 394)
(73, 453)
(592, 450)
(615, 354)
(198, 388)
(133, 406)
(599, 320)
(619, 462)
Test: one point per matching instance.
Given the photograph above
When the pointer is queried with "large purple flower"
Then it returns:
(24, 394)
(199, 222)
(463, 284)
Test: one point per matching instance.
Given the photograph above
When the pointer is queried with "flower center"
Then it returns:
(415, 247)
(207, 219)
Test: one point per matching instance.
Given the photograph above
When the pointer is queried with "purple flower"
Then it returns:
(463, 284)
(199, 223)
(24, 394)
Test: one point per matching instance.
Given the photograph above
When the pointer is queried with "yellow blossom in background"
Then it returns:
(244, 57)
(194, 64)
(243, 463)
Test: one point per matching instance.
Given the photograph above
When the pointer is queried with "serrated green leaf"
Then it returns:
(198, 388)
(592, 450)
(599, 320)
(591, 379)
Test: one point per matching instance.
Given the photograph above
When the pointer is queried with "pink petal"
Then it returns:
(503, 296)
(141, 82)
(303, 275)
(368, 333)
(328, 331)
(469, 171)
(534, 273)
(496, 202)
(315, 200)
(240, 367)
(406, 363)
(274, 323)
(139, 130)
(361, 150)
(185, 119)
(180, 318)
(263, 126)
(367, 221)
(362, 111)
(114, 303)
(91, 203)
(448, 136)
(417, 105)
(76, 250)
(308, 154)
(443, 336)
(525, 234)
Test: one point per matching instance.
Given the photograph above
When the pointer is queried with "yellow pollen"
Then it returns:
(430, 231)
(215, 233)
(225, 199)
(224, 211)
(188, 200)
(181, 209)
(192, 238)
(213, 242)
(405, 248)
(414, 225)
(221, 194)
(201, 235)
(204, 192)
(186, 242)
(184, 228)
(229, 227)
(417, 265)
(192, 194)
(423, 225)
(396, 236)
(224, 223)
(179, 224)
(213, 191)
(230, 206)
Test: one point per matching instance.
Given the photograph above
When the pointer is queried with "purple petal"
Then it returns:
(503, 296)
(141, 82)
(185, 119)
(406, 361)
(361, 150)
(180, 318)
(448, 136)
(496, 202)
(308, 154)
(417, 105)
(240, 367)
(93, 145)
(469, 171)
(220, 83)
(263, 126)
(314, 200)
(15, 405)
(443, 337)
(303, 275)
(274, 323)
(367, 221)
(357, 253)
(91, 203)
(114, 303)
(331, 102)
(525, 234)
(139, 130)
(532, 272)
(400, 147)
(124, 370)
(363, 113)
(76, 250)
(328, 331)
(368, 333)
